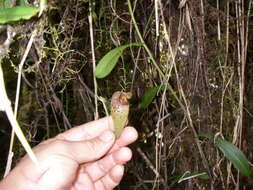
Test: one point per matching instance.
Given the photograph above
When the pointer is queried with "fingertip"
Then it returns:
(129, 134)
(123, 155)
(126, 152)
(106, 122)
(133, 132)
(88, 130)
(117, 173)
(112, 179)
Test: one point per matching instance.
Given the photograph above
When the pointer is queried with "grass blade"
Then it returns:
(186, 176)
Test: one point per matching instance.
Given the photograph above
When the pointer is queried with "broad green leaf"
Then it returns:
(186, 176)
(149, 95)
(233, 154)
(17, 13)
(109, 61)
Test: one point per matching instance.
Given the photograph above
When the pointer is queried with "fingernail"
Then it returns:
(106, 136)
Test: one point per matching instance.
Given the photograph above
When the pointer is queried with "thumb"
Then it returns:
(90, 150)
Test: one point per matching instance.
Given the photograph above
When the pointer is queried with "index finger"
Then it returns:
(88, 130)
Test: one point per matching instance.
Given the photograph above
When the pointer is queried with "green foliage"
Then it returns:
(206, 83)
(232, 153)
(17, 13)
(149, 95)
(209, 136)
(109, 61)
(186, 176)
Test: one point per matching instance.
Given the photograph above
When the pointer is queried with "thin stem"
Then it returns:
(93, 58)
(5, 105)
(21, 64)
(142, 41)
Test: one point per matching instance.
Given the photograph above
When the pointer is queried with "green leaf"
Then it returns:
(233, 154)
(206, 135)
(17, 13)
(186, 176)
(149, 95)
(109, 61)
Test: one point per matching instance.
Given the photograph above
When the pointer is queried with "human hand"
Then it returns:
(85, 157)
